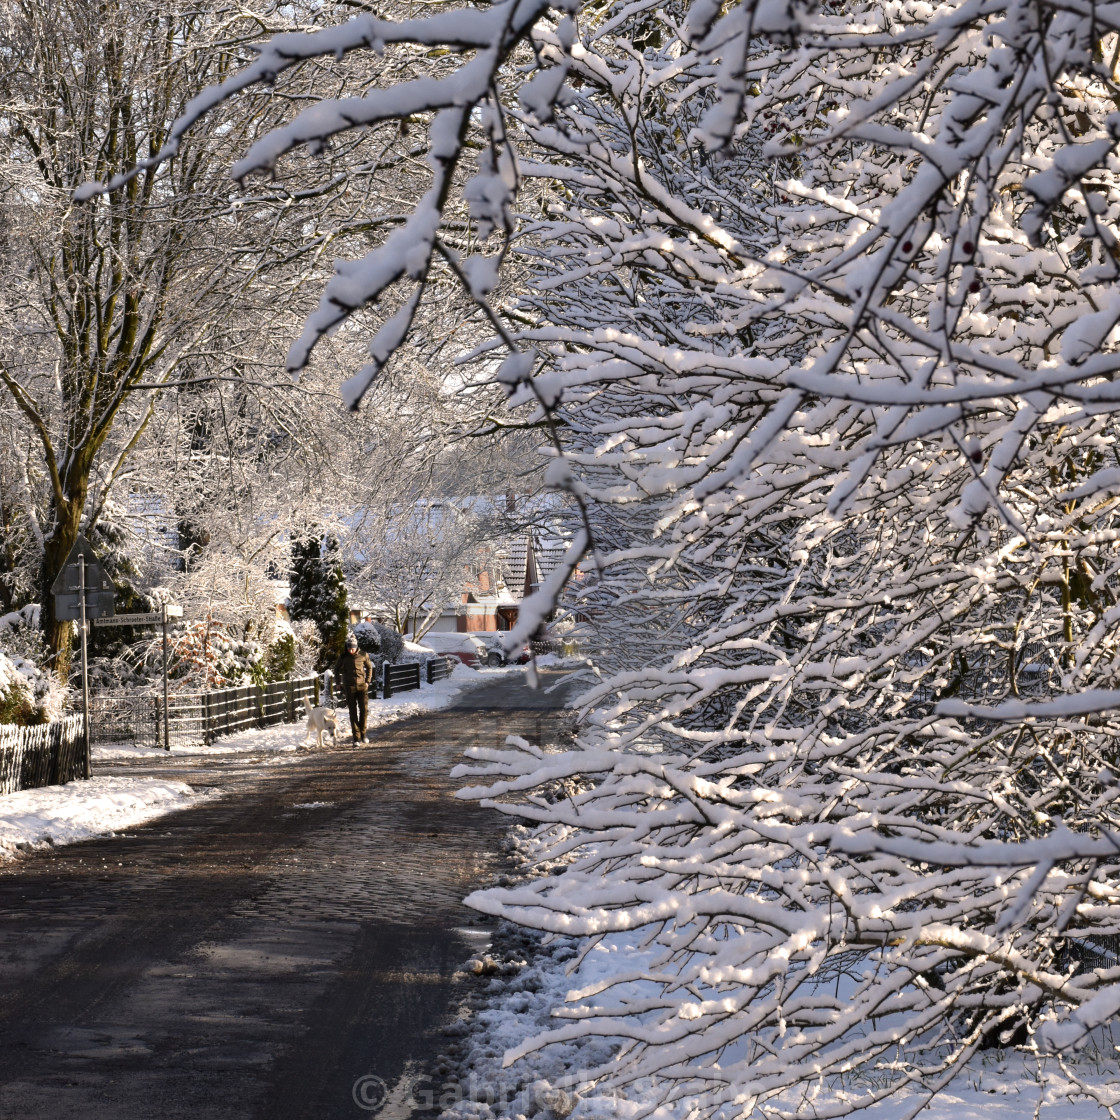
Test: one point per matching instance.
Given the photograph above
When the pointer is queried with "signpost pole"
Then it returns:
(166, 733)
(85, 675)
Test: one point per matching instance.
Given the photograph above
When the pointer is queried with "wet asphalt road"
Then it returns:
(286, 952)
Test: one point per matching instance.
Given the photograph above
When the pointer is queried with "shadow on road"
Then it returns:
(288, 951)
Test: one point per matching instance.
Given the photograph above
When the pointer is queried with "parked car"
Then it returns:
(465, 647)
(495, 649)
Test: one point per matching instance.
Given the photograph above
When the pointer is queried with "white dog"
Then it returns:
(318, 721)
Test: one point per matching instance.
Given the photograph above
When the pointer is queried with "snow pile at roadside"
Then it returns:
(79, 810)
(534, 975)
(558, 661)
(544, 1082)
(280, 737)
(292, 736)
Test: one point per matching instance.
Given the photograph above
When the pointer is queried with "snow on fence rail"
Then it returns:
(439, 669)
(199, 717)
(47, 755)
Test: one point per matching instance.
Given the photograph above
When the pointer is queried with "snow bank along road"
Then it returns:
(284, 952)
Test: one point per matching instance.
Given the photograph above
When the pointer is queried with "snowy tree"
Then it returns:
(415, 561)
(229, 630)
(434, 482)
(822, 330)
(106, 306)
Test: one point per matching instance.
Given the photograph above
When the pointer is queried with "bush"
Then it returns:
(368, 639)
(21, 637)
(417, 657)
(208, 656)
(392, 644)
(25, 694)
(380, 642)
(280, 660)
(16, 707)
(307, 645)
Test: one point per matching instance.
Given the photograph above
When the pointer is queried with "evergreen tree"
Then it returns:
(318, 592)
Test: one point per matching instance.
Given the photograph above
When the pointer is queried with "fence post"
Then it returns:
(55, 775)
(387, 685)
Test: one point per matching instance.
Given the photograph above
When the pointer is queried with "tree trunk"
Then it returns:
(56, 547)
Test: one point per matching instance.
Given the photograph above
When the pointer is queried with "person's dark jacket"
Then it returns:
(353, 671)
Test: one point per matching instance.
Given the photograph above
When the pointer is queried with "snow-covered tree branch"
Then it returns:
(822, 311)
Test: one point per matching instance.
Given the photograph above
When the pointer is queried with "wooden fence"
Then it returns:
(47, 755)
(439, 668)
(399, 678)
(199, 717)
(227, 710)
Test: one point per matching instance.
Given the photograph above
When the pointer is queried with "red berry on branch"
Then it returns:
(968, 246)
(974, 286)
(907, 246)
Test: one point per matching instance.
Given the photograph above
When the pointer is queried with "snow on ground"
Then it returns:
(532, 975)
(545, 1084)
(79, 810)
(556, 661)
(291, 736)
(103, 805)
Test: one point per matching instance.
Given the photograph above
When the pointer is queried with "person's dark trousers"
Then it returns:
(356, 702)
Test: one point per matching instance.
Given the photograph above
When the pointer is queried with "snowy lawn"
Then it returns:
(79, 810)
(291, 736)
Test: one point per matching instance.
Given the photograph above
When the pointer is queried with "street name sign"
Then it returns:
(149, 619)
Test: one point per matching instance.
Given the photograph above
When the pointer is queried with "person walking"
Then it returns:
(354, 671)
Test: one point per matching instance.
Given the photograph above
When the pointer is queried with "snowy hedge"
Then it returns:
(381, 642)
(28, 695)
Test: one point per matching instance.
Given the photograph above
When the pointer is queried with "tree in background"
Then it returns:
(100, 302)
(110, 308)
(318, 592)
(415, 560)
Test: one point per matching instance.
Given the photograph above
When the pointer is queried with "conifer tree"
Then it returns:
(318, 592)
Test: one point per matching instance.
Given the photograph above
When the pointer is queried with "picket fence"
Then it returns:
(48, 755)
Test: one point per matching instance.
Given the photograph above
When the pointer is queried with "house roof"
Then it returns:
(515, 557)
